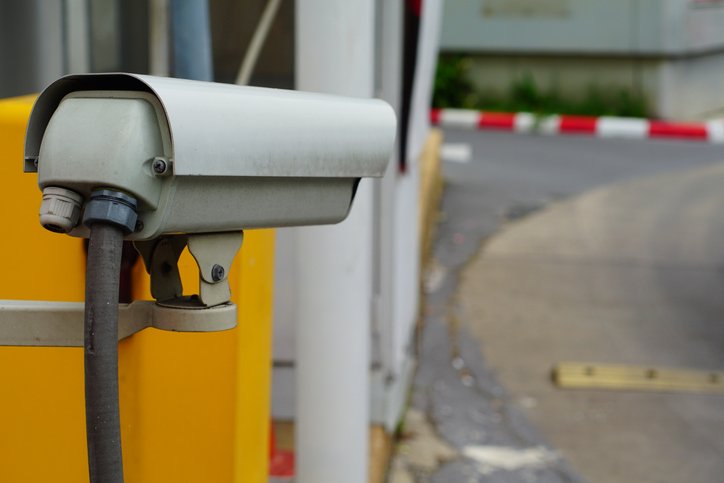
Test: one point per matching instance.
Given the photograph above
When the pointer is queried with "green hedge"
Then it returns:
(453, 89)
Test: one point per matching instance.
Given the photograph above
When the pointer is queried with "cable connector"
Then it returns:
(60, 209)
(113, 208)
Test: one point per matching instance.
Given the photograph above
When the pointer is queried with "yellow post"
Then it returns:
(42, 423)
(194, 407)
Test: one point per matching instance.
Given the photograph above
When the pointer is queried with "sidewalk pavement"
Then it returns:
(630, 274)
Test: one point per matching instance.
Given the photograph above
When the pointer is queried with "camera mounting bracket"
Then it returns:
(213, 252)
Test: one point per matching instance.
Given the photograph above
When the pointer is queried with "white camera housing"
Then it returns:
(202, 157)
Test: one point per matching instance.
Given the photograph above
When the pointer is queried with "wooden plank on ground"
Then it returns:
(588, 375)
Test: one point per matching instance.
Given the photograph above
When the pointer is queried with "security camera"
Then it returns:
(199, 157)
(172, 164)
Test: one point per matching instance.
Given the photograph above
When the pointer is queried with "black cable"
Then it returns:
(103, 421)
(109, 215)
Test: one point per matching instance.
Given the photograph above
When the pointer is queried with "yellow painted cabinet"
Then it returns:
(194, 407)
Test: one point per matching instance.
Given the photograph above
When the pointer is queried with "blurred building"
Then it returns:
(671, 52)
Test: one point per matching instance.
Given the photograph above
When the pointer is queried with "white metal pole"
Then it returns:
(335, 54)
(77, 36)
(158, 38)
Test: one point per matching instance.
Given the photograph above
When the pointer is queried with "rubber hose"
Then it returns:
(103, 422)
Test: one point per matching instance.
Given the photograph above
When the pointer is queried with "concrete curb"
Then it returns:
(602, 127)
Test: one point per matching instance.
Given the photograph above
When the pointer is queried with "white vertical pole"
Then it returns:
(158, 38)
(77, 36)
(335, 54)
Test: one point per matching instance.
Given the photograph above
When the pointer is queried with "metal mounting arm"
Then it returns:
(60, 324)
(38, 323)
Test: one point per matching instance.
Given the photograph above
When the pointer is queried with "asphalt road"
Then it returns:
(600, 250)
(508, 175)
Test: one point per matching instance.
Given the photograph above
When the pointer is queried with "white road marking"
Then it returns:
(456, 152)
(434, 277)
(491, 458)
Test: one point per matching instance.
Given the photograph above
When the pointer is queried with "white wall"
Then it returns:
(406, 254)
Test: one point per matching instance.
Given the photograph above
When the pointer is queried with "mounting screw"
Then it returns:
(217, 273)
(159, 165)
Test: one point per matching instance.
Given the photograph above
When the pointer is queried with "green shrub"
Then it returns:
(454, 89)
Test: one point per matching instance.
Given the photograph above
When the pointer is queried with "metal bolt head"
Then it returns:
(159, 166)
(217, 273)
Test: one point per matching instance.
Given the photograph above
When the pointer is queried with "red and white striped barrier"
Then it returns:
(604, 127)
